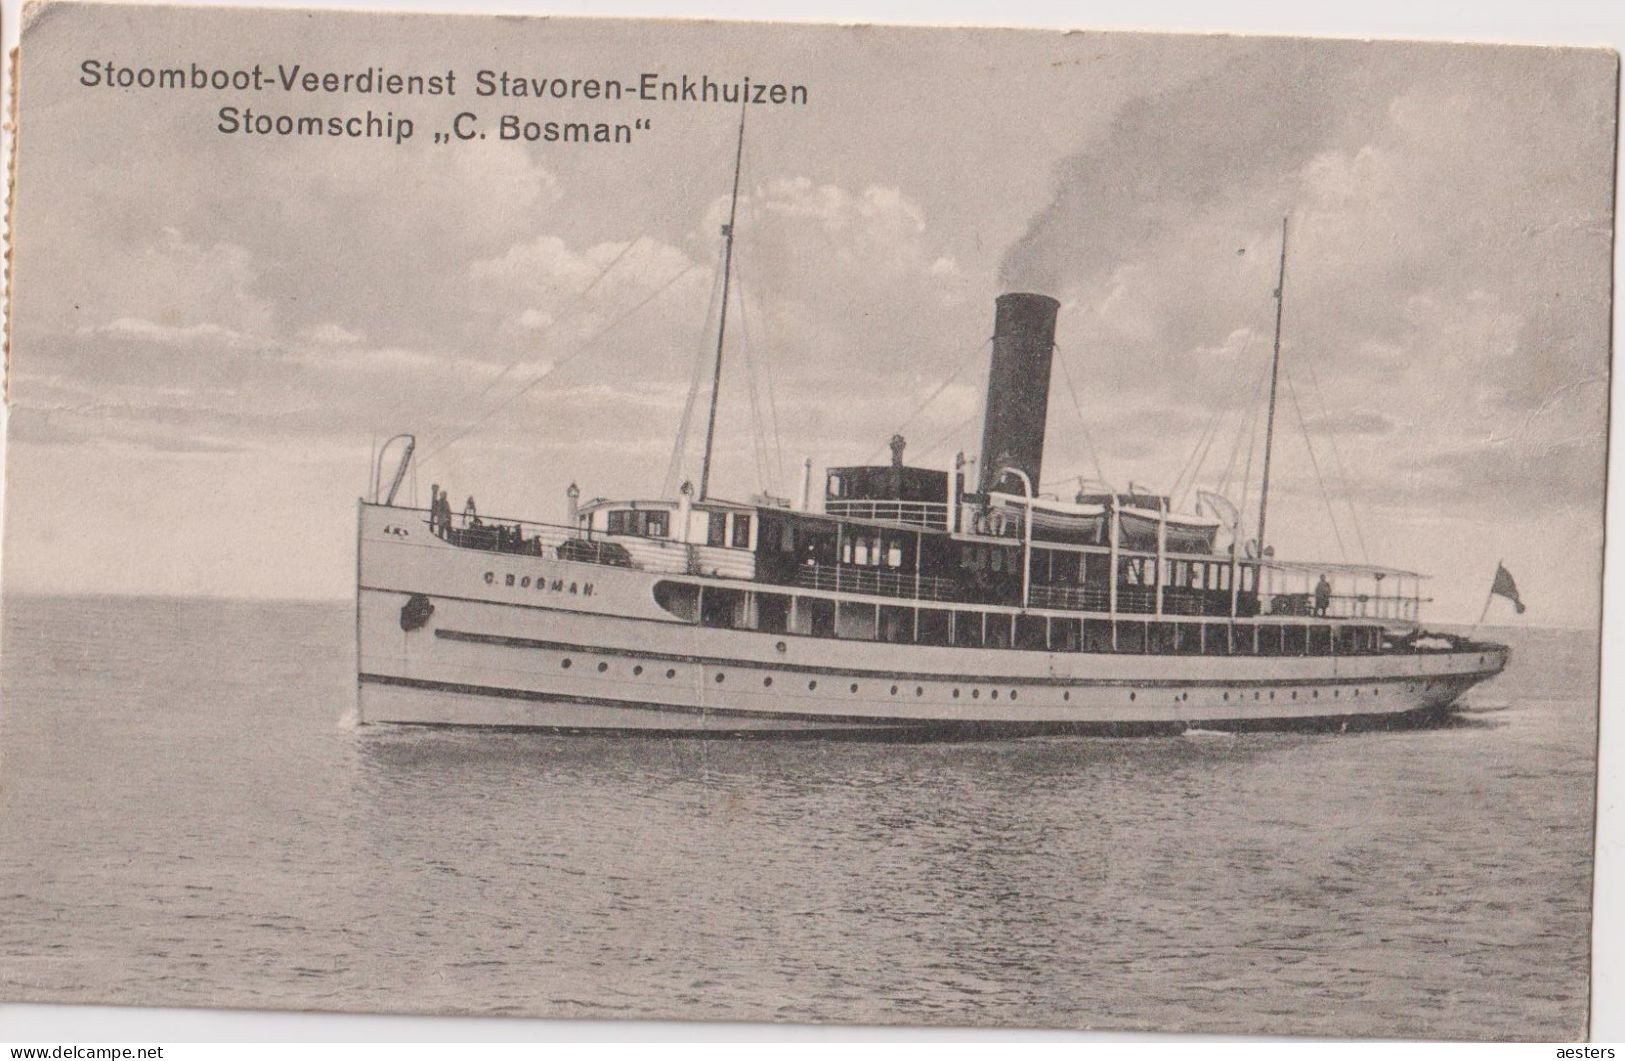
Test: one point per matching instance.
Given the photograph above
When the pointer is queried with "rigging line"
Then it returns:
(565, 360)
(1194, 464)
(956, 429)
(972, 356)
(679, 449)
(777, 467)
(1337, 460)
(1083, 423)
(757, 427)
(1331, 513)
(772, 458)
(1243, 430)
(575, 306)
(1203, 439)
(722, 312)
(752, 207)
(1247, 473)
(583, 293)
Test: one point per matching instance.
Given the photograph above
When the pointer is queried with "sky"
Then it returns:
(212, 332)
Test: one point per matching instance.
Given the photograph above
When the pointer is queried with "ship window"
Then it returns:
(894, 556)
(619, 521)
(1269, 640)
(836, 486)
(716, 528)
(1097, 635)
(896, 624)
(678, 598)
(1292, 641)
(815, 616)
(967, 629)
(933, 627)
(725, 608)
(856, 620)
(1188, 638)
(1162, 638)
(1131, 637)
(654, 524)
(998, 633)
(1215, 639)
(773, 613)
(741, 537)
(1320, 640)
(1065, 635)
(1031, 632)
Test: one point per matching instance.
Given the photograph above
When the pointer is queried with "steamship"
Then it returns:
(919, 602)
(912, 603)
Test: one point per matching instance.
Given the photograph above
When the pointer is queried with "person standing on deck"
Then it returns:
(1323, 595)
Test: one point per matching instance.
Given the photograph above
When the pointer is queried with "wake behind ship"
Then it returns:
(919, 602)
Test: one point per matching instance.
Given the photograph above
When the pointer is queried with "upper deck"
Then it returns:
(894, 560)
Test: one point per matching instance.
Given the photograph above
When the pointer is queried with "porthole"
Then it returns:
(919, 690)
(1315, 694)
(976, 694)
(767, 681)
(1012, 694)
(812, 684)
(1336, 693)
(994, 693)
(638, 670)
(720, 676)
(956, 694)
(1227, 696)
(894, 690)
(1255, 694)
(1272, 694)
(565, 662)
(854, 686)
(1067, 695)
(602, 667)
(671, 674)
(1131, 696)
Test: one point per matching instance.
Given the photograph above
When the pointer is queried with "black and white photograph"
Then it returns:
(658, 519)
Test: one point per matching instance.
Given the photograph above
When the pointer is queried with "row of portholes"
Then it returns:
(976, 694)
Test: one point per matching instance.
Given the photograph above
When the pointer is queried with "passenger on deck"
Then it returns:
(1323, 595)
(471, 517)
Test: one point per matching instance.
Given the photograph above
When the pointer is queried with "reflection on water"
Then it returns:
(190, 826)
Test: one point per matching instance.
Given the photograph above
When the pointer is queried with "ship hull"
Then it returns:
(450, 636)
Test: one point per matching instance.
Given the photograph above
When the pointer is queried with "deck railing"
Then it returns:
(843, 578)
(530, 538)
(916, 513)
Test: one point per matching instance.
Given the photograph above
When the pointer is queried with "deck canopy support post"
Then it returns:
(1162, 550)
(1026, 534)
(1111, 573)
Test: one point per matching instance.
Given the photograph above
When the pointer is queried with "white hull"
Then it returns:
(524, 642)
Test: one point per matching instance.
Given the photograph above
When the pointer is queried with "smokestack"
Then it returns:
(1017, 390)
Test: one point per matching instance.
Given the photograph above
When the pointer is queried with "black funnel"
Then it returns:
(1017, 390)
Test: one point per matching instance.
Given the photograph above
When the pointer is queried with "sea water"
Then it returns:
(190, 817)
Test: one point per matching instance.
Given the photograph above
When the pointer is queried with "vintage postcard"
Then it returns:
(621, 518)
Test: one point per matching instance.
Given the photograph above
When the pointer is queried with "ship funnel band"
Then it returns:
(1017, 390)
